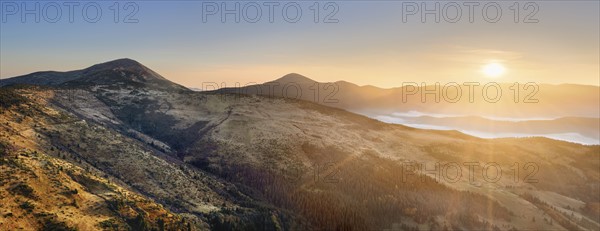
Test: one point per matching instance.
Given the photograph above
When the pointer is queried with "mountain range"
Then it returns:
(564, 112)
(531, 100)
(116, 146)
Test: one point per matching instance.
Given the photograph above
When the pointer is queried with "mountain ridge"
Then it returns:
(239, 162)
(541, 100)
(290, 77)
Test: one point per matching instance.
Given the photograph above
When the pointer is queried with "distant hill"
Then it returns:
(573, 107)
(565, 100)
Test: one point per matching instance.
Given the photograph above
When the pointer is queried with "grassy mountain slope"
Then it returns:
(44, 189)
(229, 161)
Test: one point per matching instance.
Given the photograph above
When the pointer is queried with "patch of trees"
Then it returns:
(9, 97)
(146, 118)
(23, 190)
(51, 223)
(558, 216)
(4, 146)
(370, 193)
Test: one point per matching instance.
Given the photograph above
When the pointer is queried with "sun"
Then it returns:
(493, 70)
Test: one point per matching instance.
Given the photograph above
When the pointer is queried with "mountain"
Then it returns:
(571, 108)
(120, 72)
(340, 94)
(223, 161)
(46, 186)
(525, 100)
(295, 78)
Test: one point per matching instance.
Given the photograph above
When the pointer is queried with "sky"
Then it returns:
(380, 43)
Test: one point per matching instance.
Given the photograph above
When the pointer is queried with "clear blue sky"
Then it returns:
(369, 45)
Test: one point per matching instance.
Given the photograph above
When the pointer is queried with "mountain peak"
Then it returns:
(294, 77)
(124, 63)
(126, 71)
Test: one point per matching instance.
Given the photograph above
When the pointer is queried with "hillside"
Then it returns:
(564, 112)
(245, 162)
(44, 188)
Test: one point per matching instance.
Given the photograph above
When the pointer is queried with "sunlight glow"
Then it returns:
(493, 70)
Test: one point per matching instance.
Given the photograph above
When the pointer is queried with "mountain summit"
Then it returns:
(125, 64)
(120, 72)
(294, 78)
(117, 63)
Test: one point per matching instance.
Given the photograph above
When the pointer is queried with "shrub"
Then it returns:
(9, 97)
(23, 190)
(4, 146)
(27, 206)
(52, 224)
(110, 224)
